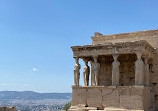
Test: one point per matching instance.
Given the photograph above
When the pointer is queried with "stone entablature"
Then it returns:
(119, 48)
(124, 72)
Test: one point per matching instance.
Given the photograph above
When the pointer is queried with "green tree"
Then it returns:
(67, 106)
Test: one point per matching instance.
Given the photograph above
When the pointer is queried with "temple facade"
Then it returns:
(123, 74)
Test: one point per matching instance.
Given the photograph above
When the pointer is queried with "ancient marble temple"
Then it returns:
(122, 75)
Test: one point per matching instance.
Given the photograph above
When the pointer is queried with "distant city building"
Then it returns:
(124, 73)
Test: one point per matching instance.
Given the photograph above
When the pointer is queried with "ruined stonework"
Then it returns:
(123, 71)
(7, 108)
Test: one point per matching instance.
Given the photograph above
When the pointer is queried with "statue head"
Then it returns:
(115, 56)
(95, 59)
(86, 61)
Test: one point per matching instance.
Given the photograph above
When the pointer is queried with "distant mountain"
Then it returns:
(33, 95)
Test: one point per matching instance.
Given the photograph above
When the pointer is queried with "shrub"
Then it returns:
(67, 106)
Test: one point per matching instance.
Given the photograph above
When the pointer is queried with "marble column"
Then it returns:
(115, 71)
(77, 68)
(86, 71)
(146, 72)
(139, 70)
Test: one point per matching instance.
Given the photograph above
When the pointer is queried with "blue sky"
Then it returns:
(36, 36)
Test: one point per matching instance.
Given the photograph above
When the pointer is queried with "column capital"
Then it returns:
(146, 58)
(95, 56)
(76, 57)
(115, 51)
(139, 55)
(86, 61)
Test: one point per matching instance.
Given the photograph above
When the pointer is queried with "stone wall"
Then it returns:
(127, 73)
(105, 74)
(127, 97)
(127, 70)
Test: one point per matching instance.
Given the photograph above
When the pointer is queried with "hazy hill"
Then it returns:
(33, 95)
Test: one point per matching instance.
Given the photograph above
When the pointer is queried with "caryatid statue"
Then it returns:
(95, 71)
(86, 72)
(77, 72)
(139, 70)
(92, 73)
(146, 71)
(115, 70)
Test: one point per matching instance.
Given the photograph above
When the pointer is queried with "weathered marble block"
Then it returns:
(110, 97)
(79, 96)
(94, 98)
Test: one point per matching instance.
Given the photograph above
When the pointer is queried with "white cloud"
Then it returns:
(34, 69)
(25, 85)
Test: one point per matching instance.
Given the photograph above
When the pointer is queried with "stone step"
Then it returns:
(115, 109)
